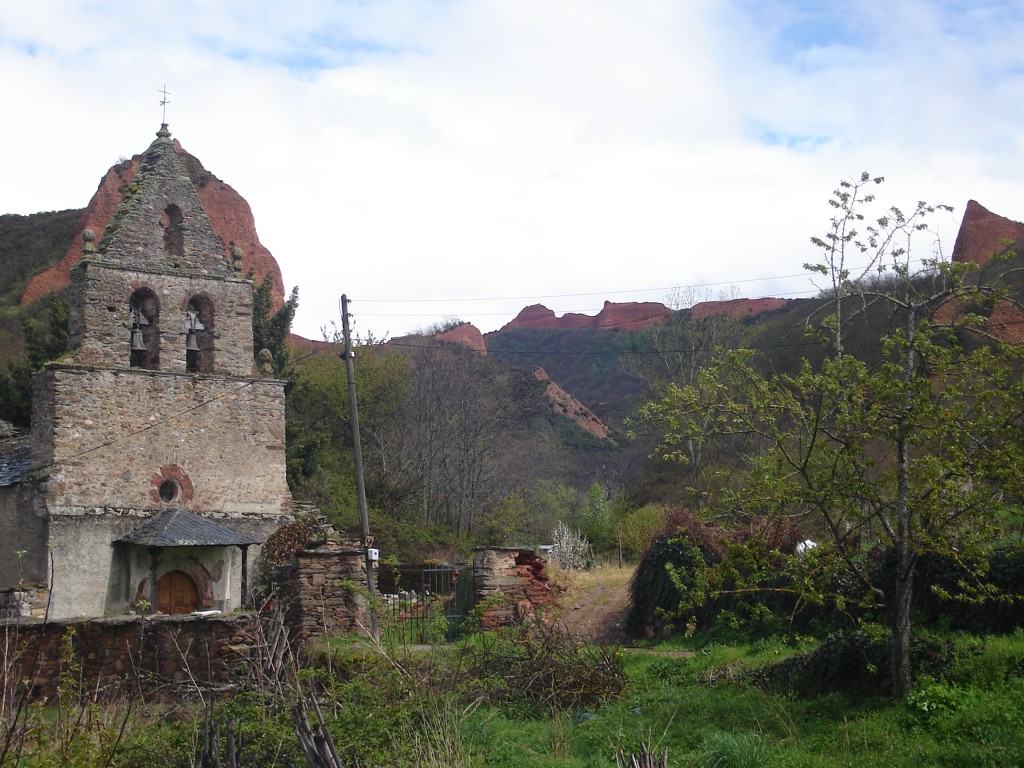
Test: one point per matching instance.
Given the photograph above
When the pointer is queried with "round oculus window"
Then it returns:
(169, 490)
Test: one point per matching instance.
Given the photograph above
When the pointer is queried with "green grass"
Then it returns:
(425, 709)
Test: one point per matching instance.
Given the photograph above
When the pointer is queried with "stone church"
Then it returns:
(155, 466)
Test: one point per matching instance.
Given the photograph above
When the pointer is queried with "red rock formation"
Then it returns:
(632, 316)
(737, 309)
(95, 217)
(571, 408)
(466, 334)
(983, 233)
(229, 213)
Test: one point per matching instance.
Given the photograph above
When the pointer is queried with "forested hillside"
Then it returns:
(28, 246)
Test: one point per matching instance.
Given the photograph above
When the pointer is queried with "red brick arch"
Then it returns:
(186, 490)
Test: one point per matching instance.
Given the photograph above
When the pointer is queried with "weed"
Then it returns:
(734, 750)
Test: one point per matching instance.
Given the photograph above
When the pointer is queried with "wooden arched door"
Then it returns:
(176, 593)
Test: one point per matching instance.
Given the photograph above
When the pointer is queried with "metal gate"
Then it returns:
(424, 604)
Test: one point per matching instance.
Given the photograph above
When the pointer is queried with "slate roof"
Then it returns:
(176, 527)
(14, 461)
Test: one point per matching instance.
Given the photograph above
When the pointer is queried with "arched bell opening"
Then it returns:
(174, 231)
(199, 322)
(144, 312)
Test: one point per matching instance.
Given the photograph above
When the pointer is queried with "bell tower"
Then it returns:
(158, 446)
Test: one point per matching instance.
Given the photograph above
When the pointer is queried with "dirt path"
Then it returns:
(595, 604)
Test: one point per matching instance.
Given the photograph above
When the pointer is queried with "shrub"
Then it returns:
(852, 663)
(544, 665)
(572, 549)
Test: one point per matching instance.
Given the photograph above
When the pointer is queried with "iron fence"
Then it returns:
(423, 604)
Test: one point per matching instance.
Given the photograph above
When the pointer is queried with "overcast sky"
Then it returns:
(434, 159)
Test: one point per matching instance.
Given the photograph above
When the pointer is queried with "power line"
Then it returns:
(455, 346)
(168, 419)
(690, 286)
(594, 293)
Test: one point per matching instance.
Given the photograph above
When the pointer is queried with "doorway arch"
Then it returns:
(176, 593)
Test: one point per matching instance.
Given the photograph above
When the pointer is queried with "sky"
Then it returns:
(442, 159)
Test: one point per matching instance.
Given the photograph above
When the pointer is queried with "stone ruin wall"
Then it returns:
(518, 575)
(321, 593)
(160, 654)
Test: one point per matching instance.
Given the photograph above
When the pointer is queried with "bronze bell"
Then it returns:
(191, 342)
(138, 343)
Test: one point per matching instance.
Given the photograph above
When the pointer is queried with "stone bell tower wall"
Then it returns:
(111, 438)
(100, 316)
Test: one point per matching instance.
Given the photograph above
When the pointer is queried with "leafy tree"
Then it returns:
(638, 527)
(320, 464)
(550, 502)
(675, 353)
(507, 522)
(913, 453)
(271, 330)
(43, 343)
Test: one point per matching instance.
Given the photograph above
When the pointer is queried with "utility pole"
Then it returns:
(364, 521)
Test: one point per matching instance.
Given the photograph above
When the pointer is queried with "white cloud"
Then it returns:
(511, 148)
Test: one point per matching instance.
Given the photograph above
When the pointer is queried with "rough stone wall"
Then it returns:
(109, 438)
(138, 234)
(131, 651)
(517, 575)
(100, 317)
(24, 601)
(22, 537)
(317, 596)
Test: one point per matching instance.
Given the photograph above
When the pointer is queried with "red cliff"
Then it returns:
(466, 334)
(632, 316)
(567, 405)
(737, 309)
(983, 233)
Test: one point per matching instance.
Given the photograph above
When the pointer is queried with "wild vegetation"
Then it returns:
(536, 697)
(458, 449)
(28, 246)
(881, 419)
(917, 451)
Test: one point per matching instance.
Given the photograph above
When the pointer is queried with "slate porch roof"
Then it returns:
(176, 527)
(14, 460)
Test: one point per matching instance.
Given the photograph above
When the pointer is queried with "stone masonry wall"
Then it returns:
(518, 575)
(137, 234)
(100, 320)
(129, 651)
(109, 438)
(317, 592)
(24, 601)
(22, 537)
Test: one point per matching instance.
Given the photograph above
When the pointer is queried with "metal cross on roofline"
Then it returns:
(164, 102)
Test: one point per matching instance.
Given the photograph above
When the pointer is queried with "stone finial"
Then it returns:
(236, 253)
(266, 359)
(89, 238)
(163, 133)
